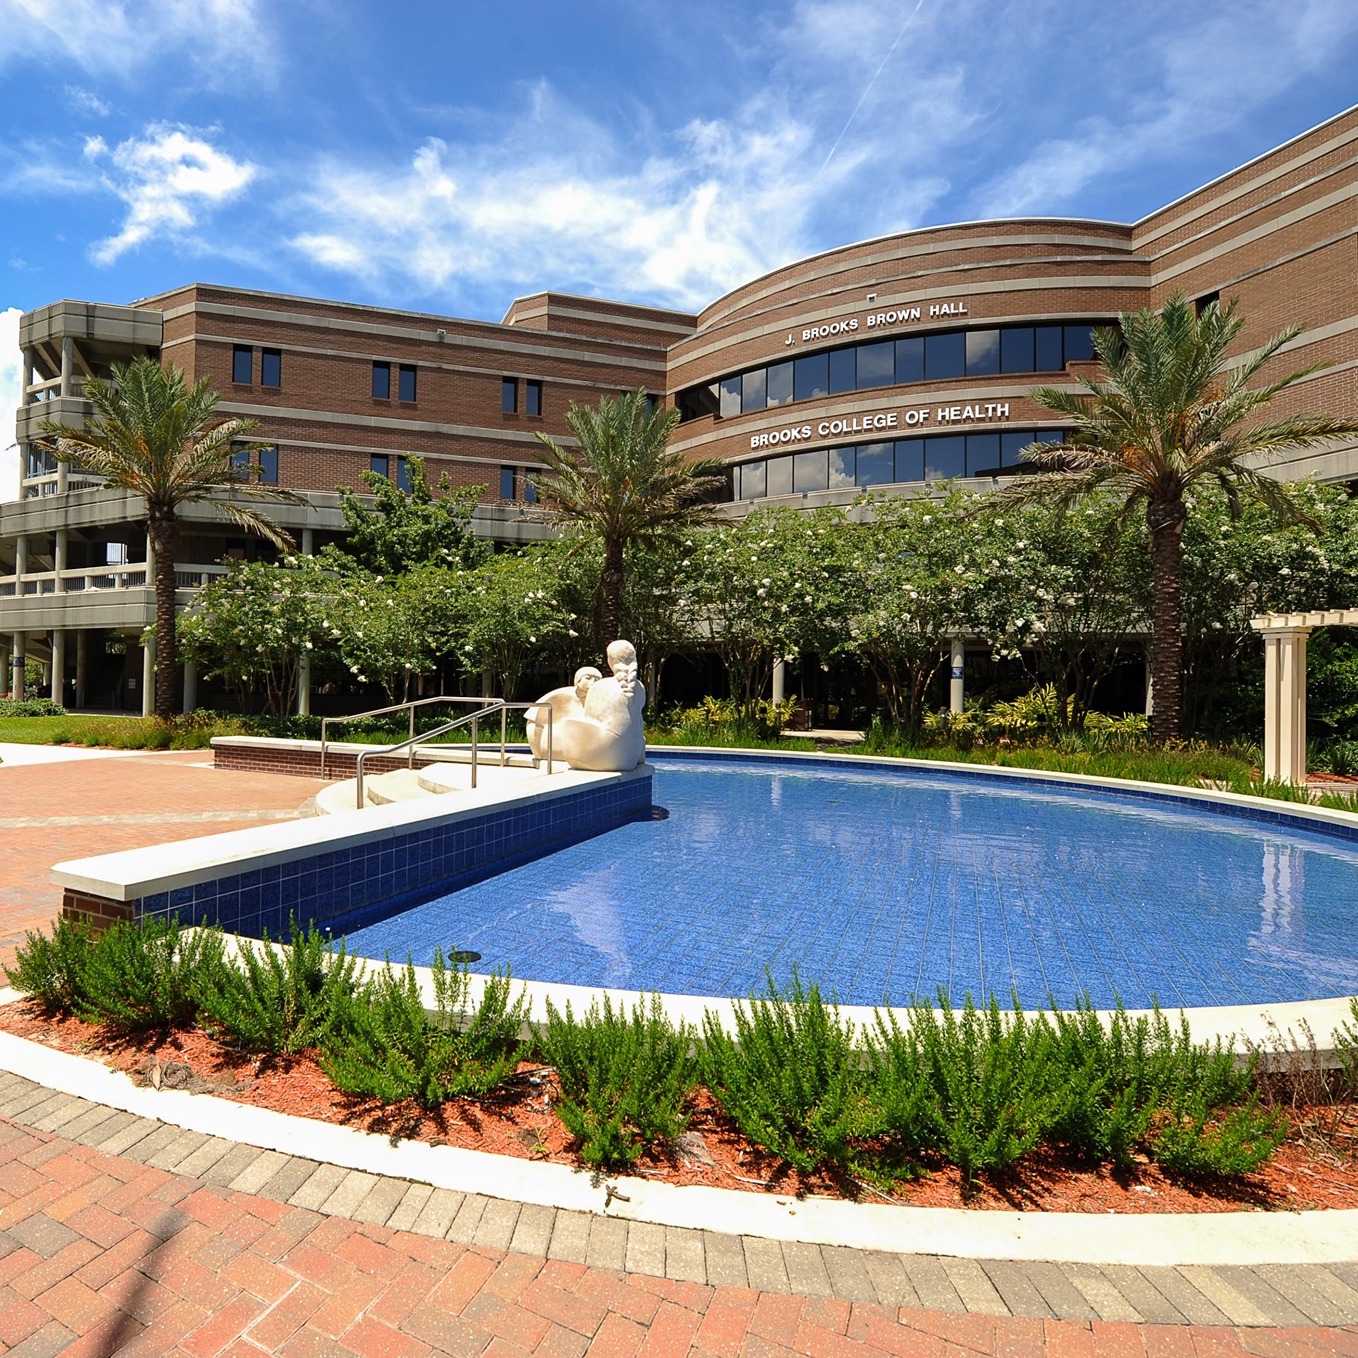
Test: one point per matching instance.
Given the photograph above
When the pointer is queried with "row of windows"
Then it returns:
(405, 382)
(518, 483)
(938, 457)
(265, 459)
(509, 399)
(885, 363)
(393, 466)
(243, 366)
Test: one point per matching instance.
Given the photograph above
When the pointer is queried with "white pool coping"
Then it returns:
(1243, 1238)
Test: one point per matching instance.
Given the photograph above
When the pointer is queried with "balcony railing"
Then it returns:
(187, 575)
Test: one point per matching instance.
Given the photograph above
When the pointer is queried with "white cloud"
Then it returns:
(80, 100)
(217, 39)
(11, 379)
(169, 179)
(1196, 75)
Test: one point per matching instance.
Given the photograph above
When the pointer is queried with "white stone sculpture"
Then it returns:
(597, 724)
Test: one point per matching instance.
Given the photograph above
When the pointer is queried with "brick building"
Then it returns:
(889, 363)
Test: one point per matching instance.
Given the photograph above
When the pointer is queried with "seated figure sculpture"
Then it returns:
(602, 730)
(563, 702)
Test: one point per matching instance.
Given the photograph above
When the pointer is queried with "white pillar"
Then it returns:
(20, 562)
(18, 653)
(1285, 704)
(82, 661)
(59, 558)
(779, 680)
(957, 675)
(148, 677)
(67, 366)
(304, 684)
(190, 686)
(306, 541)
(58, 689)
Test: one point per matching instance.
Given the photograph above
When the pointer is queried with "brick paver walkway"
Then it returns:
(52, 812)
(120, 1234)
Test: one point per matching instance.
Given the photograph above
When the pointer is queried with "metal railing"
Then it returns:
(412, 704)
(495, 705)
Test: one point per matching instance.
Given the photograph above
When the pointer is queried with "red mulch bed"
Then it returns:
(1317, 1167)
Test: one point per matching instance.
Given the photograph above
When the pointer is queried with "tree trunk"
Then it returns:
(610, 592)
(1166, 524)
(164, 534)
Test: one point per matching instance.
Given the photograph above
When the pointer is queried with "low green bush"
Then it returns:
(974, 1086)
(390, 1048)
(790, 1077)
(148, 975)
(30, 707)
(1198, 1140)
(624, 1077)
(281, 999)
(52, 969)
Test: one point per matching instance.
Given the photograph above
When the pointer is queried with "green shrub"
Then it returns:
(30, 707)
(281, 999)
(1195, 1142)
(789, 1078)
(973, 1086)
(1346, 1050)
(390, 1048)
(624, 1077)
(149, 975)
(52, 970)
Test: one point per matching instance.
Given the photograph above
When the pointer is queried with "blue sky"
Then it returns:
(450, 157)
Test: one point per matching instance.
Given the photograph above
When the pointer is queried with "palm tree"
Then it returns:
(153, 435)
(1170, 411)
(622, 483)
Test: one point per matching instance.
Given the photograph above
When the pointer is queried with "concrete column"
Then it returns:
(304, 683)
(18, 654)
(148, 678)
(63, 478)
(58, 689)
(20, 560)
(779, 680)
(67, 366)
(307, 538)
(190, 686)
(6, 673)
(82, 664)
(957, 675)
(59, 557)
(28, 375)
(1285, 704)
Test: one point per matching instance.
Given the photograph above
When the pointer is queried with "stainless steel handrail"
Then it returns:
(412, 704)
(498, 705)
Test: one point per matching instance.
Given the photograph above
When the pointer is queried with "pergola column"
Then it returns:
(779, 680)
(304, 683)
(957, 681)
(1285, 704)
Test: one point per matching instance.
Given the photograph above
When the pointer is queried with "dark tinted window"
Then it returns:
(945, 456)
(402, 474)
(1010, 447)
(843, 370)
(699, 401)
(381, 381)
(509, 395)
(271, 368)
(842, 467)
(780, 384)
(779, 476)
(811, 376)
(1049, 357)
(379, 463)
(730, 397)
(506, 483)
(753, 480)
(910, 359)
(240, 460)
(945, 355)
(876, 364)
(1079, 343)
(242, 361)
(268, 466)
(909, 459)
(752, 390)
(808, 471)
(876, 464)
(530, 487)
(983, 454)
(983, 352)
(533, 397)
(407, 382)
(1016, 350)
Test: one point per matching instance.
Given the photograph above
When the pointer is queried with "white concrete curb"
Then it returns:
(1243, 1238)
